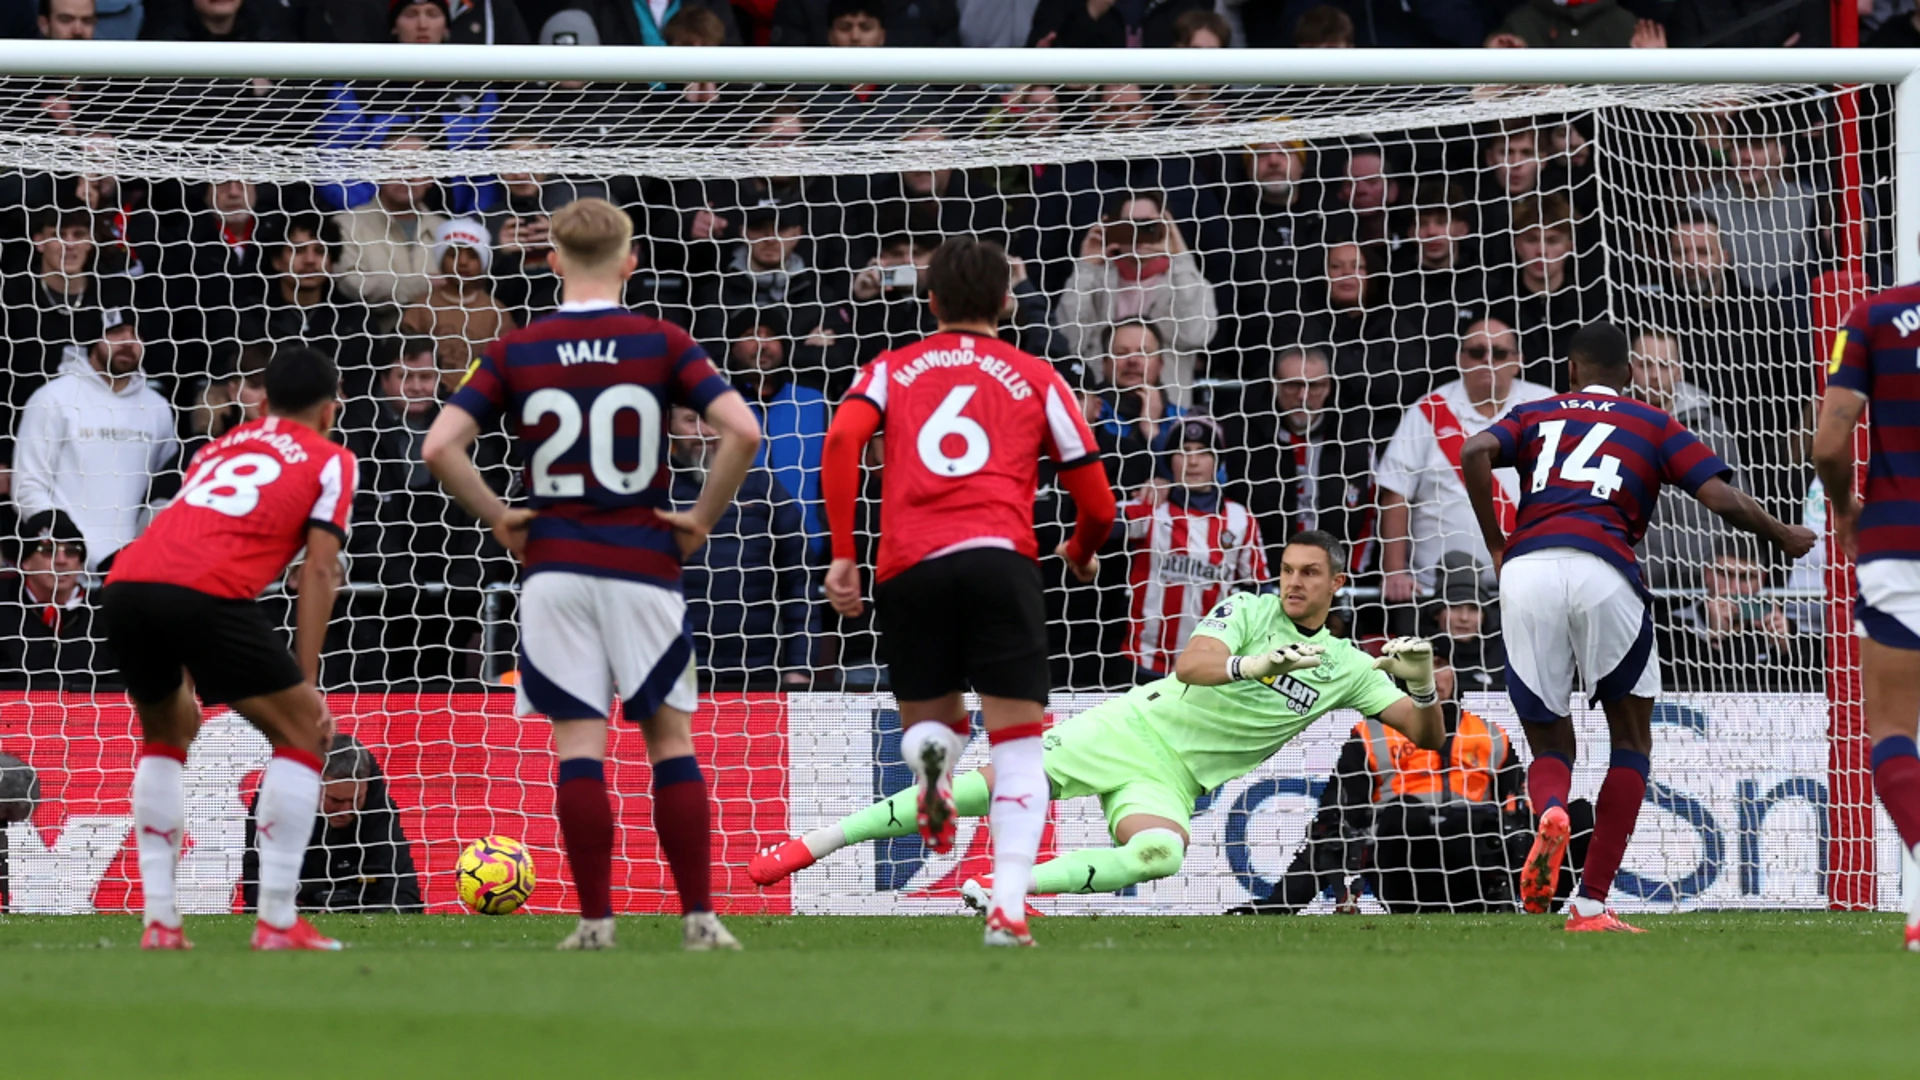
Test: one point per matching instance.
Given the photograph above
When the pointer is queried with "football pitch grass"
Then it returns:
(1768, 994)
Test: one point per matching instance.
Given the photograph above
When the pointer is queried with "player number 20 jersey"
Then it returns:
(588, 392)
(966, 420)
(244, 510)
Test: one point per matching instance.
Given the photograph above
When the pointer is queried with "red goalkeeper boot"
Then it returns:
(1605, 922)
(774, 864)
(1913, 939)
(300, 937)
(1540, 875)
(934, 809)
(156, 936)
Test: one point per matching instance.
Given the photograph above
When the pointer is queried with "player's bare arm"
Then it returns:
(449, 457)
(1476, 472)
(1833, 459)
(1737, 508)
(319, 580)
(729, 415)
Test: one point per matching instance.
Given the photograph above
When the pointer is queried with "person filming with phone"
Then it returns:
(1736, 637)
(1135, 266)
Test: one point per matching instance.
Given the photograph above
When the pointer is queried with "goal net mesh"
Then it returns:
(1281, 308)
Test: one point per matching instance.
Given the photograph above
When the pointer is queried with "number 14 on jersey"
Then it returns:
(1579, 466)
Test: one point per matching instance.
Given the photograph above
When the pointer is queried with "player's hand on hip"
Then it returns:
(1085, 571)
(843, 588)
(1409, 659)
(688, 531)
(1281, 661)
(511, 531)
(1798, 540)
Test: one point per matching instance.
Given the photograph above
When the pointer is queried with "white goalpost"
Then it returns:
(1273, 258)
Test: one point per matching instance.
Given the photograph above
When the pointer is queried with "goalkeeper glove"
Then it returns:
(1410, 659)
(1276, 663)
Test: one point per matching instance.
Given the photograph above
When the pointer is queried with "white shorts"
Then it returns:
(1562, 611)
(582, 638)
(1889, 605)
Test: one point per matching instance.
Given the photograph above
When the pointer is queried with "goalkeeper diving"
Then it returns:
(1256, 672)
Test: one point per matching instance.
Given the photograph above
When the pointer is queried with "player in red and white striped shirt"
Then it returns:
(1191, 546)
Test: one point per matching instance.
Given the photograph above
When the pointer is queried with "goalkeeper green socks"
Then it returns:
(895, 816)
(1150, 854)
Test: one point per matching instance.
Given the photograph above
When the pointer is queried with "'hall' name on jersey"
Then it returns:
(586, 352)
(992, 366)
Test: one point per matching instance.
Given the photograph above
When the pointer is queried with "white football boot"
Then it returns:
(702, 932)
(590, 934)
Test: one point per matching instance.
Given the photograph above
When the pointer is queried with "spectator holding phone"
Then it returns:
(1135, 266)
(1736, 638)
(527, 286)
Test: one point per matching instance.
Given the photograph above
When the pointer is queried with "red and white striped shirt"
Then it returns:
(1185, 561)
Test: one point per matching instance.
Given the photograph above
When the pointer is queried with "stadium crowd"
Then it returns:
(1266, 339)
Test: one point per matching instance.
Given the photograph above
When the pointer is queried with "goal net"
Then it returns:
(1282, 308)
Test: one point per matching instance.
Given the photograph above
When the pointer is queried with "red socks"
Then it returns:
(1549, 779)
(1896, 779)
(1614, 816)
(683, 822)
(586, 828)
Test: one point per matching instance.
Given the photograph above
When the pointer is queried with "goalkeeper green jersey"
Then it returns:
(1222, 732)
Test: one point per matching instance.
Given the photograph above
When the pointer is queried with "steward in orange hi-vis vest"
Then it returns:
(1466, 769)
(1422, 830)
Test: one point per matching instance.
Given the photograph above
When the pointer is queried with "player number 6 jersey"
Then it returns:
(966, 420)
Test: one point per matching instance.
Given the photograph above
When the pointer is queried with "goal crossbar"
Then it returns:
(1266, 67)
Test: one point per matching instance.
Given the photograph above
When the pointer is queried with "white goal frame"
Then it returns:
(1851, 885)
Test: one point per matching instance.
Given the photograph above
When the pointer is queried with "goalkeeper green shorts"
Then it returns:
(1109, 753)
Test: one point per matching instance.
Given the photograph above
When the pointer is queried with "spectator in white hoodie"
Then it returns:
(91, 441)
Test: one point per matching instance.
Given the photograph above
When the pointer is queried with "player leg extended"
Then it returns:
(1004, 643)
(1095, 753)
(1889, 610)
(1016, 807)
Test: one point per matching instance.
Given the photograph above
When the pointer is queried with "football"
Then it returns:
(495, 875)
